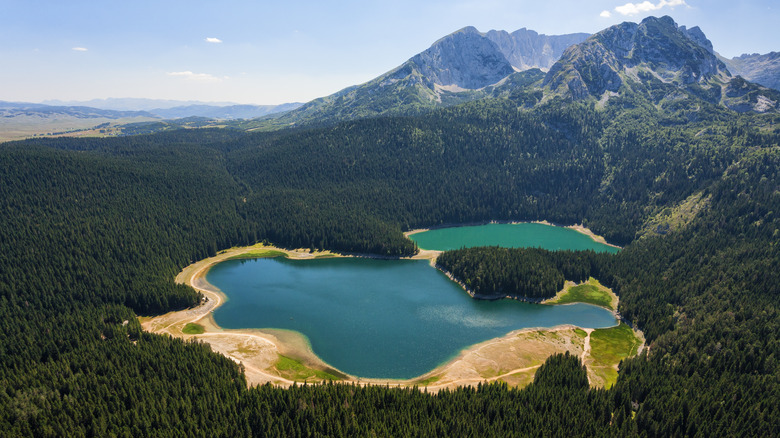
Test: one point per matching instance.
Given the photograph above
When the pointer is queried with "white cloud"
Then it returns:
(605, 14)
(213, 40)
(646, 6)
(80, 49)
(199, 77)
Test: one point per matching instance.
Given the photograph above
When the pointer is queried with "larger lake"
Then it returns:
(376, 318)
(522, 235)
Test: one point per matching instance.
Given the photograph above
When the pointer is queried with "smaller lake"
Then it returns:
(522, 235)
(376, 318)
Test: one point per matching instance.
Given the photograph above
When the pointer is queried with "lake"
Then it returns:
(394, 319)
(522, 235)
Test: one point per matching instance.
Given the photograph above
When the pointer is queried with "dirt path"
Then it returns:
(585, 358)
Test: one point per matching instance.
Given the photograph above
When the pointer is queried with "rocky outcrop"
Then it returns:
(658, 46)
(526, 49)
(464, 59)
(761, 69)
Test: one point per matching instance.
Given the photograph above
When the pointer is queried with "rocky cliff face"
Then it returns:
(526, 49)
(464, 59)
(656, 46)
(761, 69)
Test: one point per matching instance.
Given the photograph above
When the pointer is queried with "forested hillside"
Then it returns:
(94, 231)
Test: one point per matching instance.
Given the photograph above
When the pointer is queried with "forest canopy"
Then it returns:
(94, 231)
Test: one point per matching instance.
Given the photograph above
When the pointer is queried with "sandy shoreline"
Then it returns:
(512, 358)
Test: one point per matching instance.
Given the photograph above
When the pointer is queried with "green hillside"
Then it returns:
(96, 229)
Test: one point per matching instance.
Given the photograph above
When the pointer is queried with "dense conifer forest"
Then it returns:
(94, 231)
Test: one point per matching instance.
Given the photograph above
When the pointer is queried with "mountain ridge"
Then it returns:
(655, 60)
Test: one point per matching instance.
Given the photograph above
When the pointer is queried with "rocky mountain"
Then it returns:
(655, 59)
(463, 66)
(526, 49)
(761, 69)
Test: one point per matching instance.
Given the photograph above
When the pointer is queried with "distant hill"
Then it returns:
(133, 103)
(177, 109)
(761, 69)
(23, 119)
(229, 112)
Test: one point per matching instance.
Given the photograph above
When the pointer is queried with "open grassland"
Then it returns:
(607, 348)
(591, 292)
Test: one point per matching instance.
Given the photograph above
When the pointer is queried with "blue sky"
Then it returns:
(274, 52)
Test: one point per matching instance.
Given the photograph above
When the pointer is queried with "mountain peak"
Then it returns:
(463, 59)
(619, 55)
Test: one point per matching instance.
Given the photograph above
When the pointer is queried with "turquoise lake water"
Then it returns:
(522, 235)
(376, 318)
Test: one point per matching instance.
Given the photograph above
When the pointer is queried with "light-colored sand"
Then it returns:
(513, 358)
(591, 234)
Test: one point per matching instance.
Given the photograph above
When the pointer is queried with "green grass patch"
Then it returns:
(608, 374)
(610, 346)
(587, 293)
(193, 329)
(295, 370)
(428, 381)
(581, 333)
(259, 254)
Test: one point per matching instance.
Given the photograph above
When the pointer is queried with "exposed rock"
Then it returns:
(526, 49)
(464, 58)
(761, 69)
(658, 46)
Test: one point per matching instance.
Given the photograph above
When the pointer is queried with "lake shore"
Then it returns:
(512, 358)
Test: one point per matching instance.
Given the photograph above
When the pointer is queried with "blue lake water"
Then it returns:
(376, 318)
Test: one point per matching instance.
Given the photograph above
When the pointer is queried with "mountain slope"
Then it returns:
(761, 69)
(610, 58)
(463, 66)
(656, 60)
(526, 49)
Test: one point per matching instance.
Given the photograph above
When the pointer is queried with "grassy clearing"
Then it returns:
(258, 254)
(611, 345)
(608, 347)
(608, 375)
(428, 381)
(591, 292)
(193, 329)
(295, 370)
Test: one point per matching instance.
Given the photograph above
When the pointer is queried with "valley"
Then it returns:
(638, 132)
